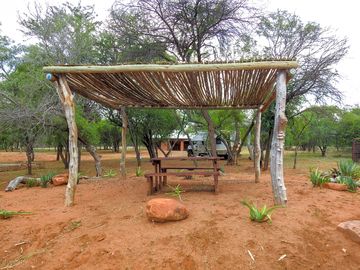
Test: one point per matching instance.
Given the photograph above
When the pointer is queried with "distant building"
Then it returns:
(181, 142)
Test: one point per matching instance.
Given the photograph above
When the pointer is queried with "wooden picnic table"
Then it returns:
(158, 179)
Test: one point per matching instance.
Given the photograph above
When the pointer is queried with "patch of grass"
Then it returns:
(110, 173)
(32, 182)
(139, 172)
(349, 182)
(176, 191)
(349, 168)
(45, 179)
(317, 178)
(259, 215)
(73, 225)
(4, 214)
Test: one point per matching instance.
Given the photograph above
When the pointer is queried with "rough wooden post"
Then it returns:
(277, 145)
(67, 100)
(123, 141)
(257, 147)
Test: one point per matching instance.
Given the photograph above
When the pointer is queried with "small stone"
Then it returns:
(352, 229)
(60, 179)
(164, 209)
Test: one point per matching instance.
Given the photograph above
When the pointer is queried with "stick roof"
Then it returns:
(231, 85)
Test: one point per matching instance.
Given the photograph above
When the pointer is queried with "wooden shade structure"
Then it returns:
(249, 85)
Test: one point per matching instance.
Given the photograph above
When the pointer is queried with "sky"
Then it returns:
(340, 16)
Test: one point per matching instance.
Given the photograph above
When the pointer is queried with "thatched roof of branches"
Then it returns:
(243, 85)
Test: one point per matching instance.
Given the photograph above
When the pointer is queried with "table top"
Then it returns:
(185, 158)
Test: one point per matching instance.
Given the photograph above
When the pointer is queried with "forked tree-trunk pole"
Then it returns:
(123, 141)
(277, 145)
(257, 148)
(67, 100)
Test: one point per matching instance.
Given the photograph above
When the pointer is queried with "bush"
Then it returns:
(139, 172)
(259, 215)
(45, 179)
(349, 168)
(32, 182)
(318, 178)
(110, 173)
(349, 182)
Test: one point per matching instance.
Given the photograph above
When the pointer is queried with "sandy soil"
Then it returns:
(108, 229)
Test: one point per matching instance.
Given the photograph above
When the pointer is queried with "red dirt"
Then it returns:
(108, 229)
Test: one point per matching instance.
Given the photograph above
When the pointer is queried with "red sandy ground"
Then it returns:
(108, 229)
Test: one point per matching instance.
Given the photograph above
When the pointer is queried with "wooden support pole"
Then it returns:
(123, 141)
(67, 100)
(257, 147)
(277, 145)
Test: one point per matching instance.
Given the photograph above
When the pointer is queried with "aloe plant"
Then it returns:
(349, 168)
(176, 192)
(317, 178)
(259, 215)
(8, 214)
(110, 173)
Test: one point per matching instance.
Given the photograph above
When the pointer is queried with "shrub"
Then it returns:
(349, 168)
(349, 182)
(259, 215)
(176, 191)
(45, 179)
(317, 178)
(139, 172)
(32, 182)
(110, 173)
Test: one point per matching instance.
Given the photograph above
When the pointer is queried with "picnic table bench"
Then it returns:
(158, 179)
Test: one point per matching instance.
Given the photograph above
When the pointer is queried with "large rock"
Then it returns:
(164, 209)
(351, 228)
(60, 179)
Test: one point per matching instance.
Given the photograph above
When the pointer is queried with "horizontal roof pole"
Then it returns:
(172, 68)
(192, 107)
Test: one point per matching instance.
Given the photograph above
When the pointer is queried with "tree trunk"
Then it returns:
(123, 141)
(277, 146)
(29, 157)
(244, 139)
(323, 150)
(267, 151)
(257, 147)
(67, 100)
(97, 158)
(19, 180)
(295, 157)
(211, 132)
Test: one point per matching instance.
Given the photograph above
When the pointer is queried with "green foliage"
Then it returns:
(8, 214)
(259, 215)
(349, 182)
(176, 191)
(317, 177)
(349, 168)
(32, 182)
(139, 172)
(45, 179)
(110, 173)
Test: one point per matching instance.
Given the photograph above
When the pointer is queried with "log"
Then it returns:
(67, 100)
(257, 148)
(277, 145)
(171, 68)
(123, 141)
(17, 181)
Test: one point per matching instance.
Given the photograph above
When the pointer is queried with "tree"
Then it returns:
(27, 106)
(316, 49)
(67, 35)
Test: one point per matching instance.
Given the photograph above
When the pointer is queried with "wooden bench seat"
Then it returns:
(157, 180)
